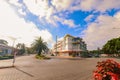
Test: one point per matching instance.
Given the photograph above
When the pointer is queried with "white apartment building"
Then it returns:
(69, 46)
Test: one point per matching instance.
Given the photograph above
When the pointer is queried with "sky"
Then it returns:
(23, 21)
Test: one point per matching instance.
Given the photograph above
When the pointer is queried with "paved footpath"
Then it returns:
(29, 68)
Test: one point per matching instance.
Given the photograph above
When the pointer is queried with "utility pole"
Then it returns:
(14, 52)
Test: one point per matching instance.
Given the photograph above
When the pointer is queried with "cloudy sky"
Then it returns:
(96, 21)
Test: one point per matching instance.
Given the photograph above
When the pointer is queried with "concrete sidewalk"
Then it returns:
(6, 63)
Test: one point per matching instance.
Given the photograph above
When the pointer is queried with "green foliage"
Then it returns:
(112, 46)
(52, 55)
(38, 46)
(6, 57)
(73, 55)
(3, 42)
(85, 54)
(41, 57)
(96, 53)
(21, 48)
(29, 50)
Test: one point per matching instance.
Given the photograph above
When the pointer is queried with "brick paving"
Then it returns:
(29, 68)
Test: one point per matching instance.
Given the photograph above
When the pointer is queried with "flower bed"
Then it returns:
(107, 70)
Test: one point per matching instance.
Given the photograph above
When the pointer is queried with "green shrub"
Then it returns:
(6, 57)
(52, 54)
(41, 57)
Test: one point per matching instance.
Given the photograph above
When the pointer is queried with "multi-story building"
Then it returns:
(69, 46)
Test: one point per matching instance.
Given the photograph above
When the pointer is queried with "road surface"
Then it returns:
(29, 68)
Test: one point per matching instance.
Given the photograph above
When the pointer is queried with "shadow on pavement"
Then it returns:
(24, 72)
(4, 67)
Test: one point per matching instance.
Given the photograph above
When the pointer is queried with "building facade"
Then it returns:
(69, 46)
(4, 48)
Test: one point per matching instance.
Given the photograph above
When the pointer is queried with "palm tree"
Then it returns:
(38, 46)
(3, 42)
(18, 46)
(21, 47)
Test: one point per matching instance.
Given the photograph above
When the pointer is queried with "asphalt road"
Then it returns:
(29, 68)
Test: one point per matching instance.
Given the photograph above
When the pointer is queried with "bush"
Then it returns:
(41, 57)
(52, 54)
(6, 57)
(107, 70)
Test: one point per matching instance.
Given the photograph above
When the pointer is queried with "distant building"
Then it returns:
(69, 46)
(4, 48)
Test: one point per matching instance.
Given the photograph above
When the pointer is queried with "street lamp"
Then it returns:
(13, 50)
(14, 53)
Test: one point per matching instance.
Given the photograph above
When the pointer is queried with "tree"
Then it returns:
(3, 42)
(21, 47)
(29, 50)
(39, 45)
(112, 46)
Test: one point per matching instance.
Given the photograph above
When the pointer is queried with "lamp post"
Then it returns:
(13, 50)
(14, 53)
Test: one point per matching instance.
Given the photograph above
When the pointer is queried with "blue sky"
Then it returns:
(93, 20)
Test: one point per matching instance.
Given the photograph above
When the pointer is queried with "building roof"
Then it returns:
(5, 46)
(68, 35)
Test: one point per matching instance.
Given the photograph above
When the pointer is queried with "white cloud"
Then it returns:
(62, 5)
(117, 15)
(89, 18)
(12, 26)
(15, 2)
(97, 5)
(99, 32)
(87, 4)
(107, 4)
(17, 6)
(38, 8)
(46, 11)
(68, 22)
(21, 12)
